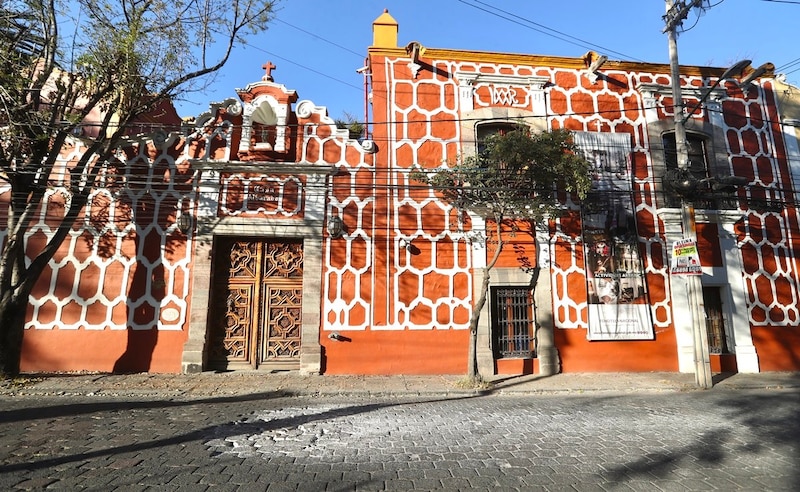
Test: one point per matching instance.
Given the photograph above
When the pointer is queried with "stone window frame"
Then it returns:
(669, 200)
(711, 130)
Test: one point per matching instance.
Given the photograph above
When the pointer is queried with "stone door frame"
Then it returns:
(309, 229)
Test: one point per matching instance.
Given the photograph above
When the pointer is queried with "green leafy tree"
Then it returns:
(518, 176)
(61, 62)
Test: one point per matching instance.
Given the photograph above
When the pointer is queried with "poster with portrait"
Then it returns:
(617, 293)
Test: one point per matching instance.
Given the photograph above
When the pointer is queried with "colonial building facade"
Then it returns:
(264, 237)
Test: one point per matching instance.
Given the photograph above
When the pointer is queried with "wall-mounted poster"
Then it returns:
(617, 293)
(685, 258)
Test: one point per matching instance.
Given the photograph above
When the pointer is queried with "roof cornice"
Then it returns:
(575, 63)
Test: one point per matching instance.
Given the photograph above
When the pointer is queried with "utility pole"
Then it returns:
(677, 10)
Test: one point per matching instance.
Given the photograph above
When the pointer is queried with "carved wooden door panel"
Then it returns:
(280, 339)
(257, 304)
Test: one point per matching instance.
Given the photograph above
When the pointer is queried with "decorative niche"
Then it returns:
(264, 125)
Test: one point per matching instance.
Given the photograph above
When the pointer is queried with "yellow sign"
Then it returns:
(685, 258)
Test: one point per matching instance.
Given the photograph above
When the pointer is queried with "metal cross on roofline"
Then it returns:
(269, 67)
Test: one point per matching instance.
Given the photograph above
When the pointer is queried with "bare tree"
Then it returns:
(518, 176)
(90, 70)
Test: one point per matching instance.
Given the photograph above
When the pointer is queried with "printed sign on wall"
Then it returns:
(685, 258)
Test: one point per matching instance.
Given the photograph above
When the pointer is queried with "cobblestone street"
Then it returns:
(714, 440)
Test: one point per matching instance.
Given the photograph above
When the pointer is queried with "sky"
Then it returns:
(317, 45)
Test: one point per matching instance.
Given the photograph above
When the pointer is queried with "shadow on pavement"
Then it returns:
(46, 412)
(771, 421)
(202, 434)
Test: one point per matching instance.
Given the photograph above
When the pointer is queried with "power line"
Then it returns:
(308, 68)
(788, 64)
(156, 126)
(527, 23)
(316, 36)
(696, 22)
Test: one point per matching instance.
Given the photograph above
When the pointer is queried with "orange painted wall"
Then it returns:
(396, 352)
(777, 347)
(580, 355)
(102, 350)
(516, 366)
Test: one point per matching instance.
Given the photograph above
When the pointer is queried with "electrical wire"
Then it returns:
(316, 36)
(696, 22)
(788, 65)
(519, 20)
(359, 88)
(149, 179)
(512, 17)
(395, 169)
(553, 116)
(792, 71)
(651, 148)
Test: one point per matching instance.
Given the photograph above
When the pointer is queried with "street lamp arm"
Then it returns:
(726, 183)
(687, 186)
(726, 180)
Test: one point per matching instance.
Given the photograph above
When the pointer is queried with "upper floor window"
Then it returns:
(698, 163)
(696, 147)
(485, 130)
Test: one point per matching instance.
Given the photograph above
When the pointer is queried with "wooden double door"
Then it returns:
(256, 304)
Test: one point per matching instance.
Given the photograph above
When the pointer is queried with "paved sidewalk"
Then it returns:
(186, 386)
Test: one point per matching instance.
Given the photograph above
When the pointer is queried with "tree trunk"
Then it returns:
(17, 277)
(12, 324)
(472, 353)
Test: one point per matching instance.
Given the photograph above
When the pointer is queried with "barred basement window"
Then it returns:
(513, 332)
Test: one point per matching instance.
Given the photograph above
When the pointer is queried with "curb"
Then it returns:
(232, 385)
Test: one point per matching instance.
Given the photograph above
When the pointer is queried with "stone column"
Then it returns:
(546, 351)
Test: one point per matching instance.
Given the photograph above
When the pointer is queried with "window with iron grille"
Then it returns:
(513, 332)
